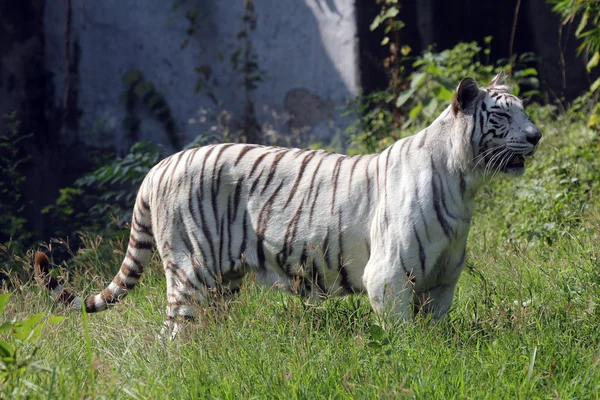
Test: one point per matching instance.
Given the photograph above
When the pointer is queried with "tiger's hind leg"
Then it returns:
(193, 286)
(184, 291)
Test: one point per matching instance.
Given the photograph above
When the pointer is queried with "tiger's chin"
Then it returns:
(515, 166)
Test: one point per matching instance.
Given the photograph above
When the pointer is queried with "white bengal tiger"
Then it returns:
(393, 224)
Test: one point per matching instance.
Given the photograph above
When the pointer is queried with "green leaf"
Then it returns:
(595, 85)
(404, 96)
(447, 83)
(3, 300)
(594, 120)
(5, 326)
(376, 332)
(417, 79)
(431, 107)
(390, 13)
(530, 81)
(6, 350)
(412, 114)
(24, 328)
(443, 94)
(582, 24)
(528, 72)
(593, 61)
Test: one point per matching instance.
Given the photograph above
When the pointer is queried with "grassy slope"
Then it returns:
(524, 323)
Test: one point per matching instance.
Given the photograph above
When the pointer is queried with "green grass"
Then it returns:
(525, 321)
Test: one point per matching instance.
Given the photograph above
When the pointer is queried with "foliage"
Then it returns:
(588, 31)
(388, 20)
(16, 338)
(431, 87)
(12, 223)
(108, 192)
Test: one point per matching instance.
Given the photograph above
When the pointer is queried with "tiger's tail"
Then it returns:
(138, 253)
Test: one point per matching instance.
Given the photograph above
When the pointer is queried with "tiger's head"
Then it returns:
(503, 135)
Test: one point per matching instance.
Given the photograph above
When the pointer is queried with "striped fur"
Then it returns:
(392, 224)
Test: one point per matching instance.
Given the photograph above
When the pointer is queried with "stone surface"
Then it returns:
(307, 45)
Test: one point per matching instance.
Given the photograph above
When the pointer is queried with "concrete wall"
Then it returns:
(306, 49)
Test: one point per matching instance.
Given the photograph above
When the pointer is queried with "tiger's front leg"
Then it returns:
(435, 301)
(390, 290)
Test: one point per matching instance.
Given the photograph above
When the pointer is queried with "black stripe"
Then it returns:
(143, 203)
(192, 154)
(312, 207)
(229, 223)
(167, 162)
(344, 278)
(443, 196)
(255, 184)
(312, 179)
(139, 244)
(305, 162)
(182, 229)
(289, 237)
(263, 219)
(357, 159)
(221, 245)
(257, 162)
(436, 203)
(243, 152)
(197, 269)
(369, 179)
(244, 244)
(201, 191)
(421, 250)
(236, 198)
(167, 188)
(317, 277)
(335, 178)
(408, 273)
(200, 268)
(462, 259)
(193, 212)
(206, 232)
(273, 169)
(140, 228)
(422, 214)
(214, 191)
(326, 250)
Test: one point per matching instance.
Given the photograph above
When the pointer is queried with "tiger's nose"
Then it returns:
(533, 135)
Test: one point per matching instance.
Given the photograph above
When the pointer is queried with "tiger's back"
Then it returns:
(290, 211)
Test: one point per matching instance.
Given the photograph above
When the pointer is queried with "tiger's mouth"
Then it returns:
(515, 164)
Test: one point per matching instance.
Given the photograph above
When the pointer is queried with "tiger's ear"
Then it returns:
(466, 93)
(499, 79)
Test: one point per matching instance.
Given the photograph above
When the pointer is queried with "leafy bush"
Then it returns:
(588, 31)
(108, 193)
(15, 358)
(431, 88)
(12, 223)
